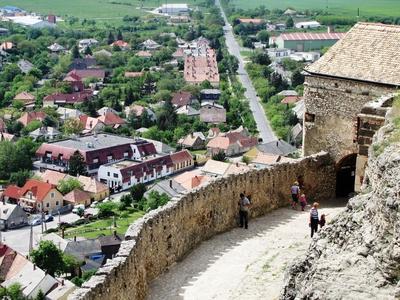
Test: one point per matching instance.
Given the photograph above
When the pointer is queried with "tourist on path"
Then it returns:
(303, 201)
(295, 191)
(314, 219)
(244, 205)
(322, 221)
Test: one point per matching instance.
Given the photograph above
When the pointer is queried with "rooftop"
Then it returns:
(300, 36)
(369, 52)
(90, 142)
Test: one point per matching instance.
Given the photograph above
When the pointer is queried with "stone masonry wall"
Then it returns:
(164, 236)
(335, 104)
(357, 255)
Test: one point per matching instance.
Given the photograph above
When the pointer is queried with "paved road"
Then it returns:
(241, 264)
(18, 239)
(263, 126)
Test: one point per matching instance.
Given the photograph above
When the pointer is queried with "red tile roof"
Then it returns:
(87, 73)
(72, 98)
(181, 98)
(77, 196)
(290, 99)
(120, 43)
(223, 142)
(200, 68)
(181, 156)
(28, 117)
(147, 149)
(148, 166)
(38, 188)
(300, 36)
(133, 74)
(72, 77)
(178, 53)
(25, 97)
(12, 191)
(111, 119)
(254, 21)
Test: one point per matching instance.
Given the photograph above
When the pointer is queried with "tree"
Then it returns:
(77, 164)
(16, 157)
(88, 51)
(40, 296)
(20, 177)
(75, 52)
(220, 156)
(297, 78)
(119, 35)
(126, 200)
(106, 209)
(73, 126)
(263, 36)
(155, 200)
(67, 185)
(137, 191)
(110, 38)
(13, 292)
(49, 258)
(289, 22)
(261, 58)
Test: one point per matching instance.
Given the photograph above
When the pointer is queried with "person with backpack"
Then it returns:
(314, 219)
(295, 191)
(244, 205)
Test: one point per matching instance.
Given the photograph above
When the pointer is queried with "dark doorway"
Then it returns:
(345, 175)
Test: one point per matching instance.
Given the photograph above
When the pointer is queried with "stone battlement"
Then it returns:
(163, 236)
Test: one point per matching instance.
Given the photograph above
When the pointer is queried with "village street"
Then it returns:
(262, 122)
(241, 264)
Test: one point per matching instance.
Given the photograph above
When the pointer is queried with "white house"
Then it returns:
(123, 174)
(278, 54)
(307, 25)
(87, 43)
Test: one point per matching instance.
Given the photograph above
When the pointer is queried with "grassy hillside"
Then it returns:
(90, 9)
(339, 7)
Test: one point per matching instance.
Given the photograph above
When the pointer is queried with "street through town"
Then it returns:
(263, 126)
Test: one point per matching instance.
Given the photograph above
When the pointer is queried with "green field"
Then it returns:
(89, 9)
(337, 7)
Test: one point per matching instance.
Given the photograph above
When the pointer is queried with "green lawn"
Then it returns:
(246, 53)
(339, 7)
(90, 9)
(104, 226)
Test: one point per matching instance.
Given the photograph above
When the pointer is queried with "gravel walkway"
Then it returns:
(241, 264)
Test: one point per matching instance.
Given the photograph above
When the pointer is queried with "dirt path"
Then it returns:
(241, 264)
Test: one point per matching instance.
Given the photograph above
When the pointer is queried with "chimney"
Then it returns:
(331, 29)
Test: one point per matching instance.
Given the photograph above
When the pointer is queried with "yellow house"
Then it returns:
(40, 196)
(97, 190)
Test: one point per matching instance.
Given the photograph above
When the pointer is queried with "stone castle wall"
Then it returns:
(164, 236)
(335, 104)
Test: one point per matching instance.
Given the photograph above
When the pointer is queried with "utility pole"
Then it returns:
(31, 239)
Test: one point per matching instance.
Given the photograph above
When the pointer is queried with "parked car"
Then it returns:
(35, 222)
(48, 218)
(77, 208)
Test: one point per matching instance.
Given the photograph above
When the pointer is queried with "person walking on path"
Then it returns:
(314, 219)
(295, 191)
(322, 221)
(244, 205)
(303, 201)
